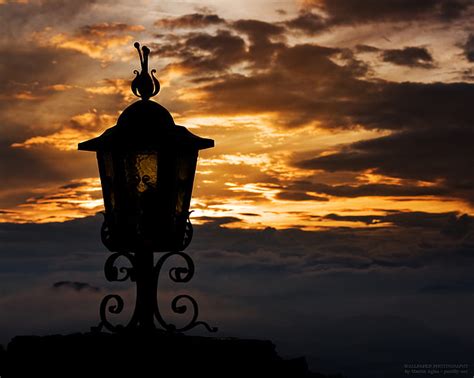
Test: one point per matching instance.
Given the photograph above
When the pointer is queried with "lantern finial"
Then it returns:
(144, 85)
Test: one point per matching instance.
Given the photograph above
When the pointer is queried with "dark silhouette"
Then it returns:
(147, 166)
(146, 354)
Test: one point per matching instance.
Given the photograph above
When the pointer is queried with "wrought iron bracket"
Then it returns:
(147, 309)
(146, 274)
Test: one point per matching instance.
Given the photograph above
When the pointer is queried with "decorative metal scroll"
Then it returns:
(144, 85)
(179, 275)
(180, 305)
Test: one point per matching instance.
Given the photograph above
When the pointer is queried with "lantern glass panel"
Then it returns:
(147, 196)
(185, 170)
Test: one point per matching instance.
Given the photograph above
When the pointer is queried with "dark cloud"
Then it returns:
(259, 29)
(294, 195)
(205, 53)
(308, 22)
(415, 57)
(33, 69)
(366, 49)
(300, 188)
(194, 20)
(74, 285)
(217, 221)
(101, 29)
(301, 83)
(450, 224)
(250, 282)
(311, 87)
(222, 51)
(409, 56)
(35, 15)
(265, 40)
(469, 48)
(413, 155)
(40, 170)
(361, 11)
(318, 16)
(31, 72)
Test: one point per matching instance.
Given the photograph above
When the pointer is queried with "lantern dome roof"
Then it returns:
(146, 124)
(144, 114)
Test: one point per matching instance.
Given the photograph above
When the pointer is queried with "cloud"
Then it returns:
(294, 195)
(98, 41)
(313, 89)
(308, 22)
(409, 56)
(74, 285)
(22, 19)
(412, 155)
(34, 73)
(219, 51)
(204, 53)
(194, 20)
(79, 198)
(306, 84)
(450, 224)
(295, 188)
(469, 48)
(304, 95)
(361, 11)
(217, 221)
(81, 127)
(264, 275)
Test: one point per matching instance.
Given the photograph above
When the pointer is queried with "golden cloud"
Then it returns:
(59, 87)
(99, 41)
(81, 126)
(76, 199)
(112, 87)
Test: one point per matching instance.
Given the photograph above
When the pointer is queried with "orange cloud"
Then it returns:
(59, 87)
(76, 199)
(113, 87)
(27, 96)
(80, 127)
(99, 41)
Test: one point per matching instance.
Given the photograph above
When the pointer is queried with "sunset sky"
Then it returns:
(344, 150)
(323, 114)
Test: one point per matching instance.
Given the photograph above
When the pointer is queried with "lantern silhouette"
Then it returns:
(147, 165)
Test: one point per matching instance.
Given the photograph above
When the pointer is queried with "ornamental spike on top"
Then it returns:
(144, 85)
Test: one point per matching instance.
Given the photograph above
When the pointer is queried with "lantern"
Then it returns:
(147, 166)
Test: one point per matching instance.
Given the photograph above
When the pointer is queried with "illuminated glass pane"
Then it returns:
(141, 171)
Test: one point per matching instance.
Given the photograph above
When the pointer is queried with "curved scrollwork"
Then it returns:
(112, 274)
(113, 309)
(142, 271)
(181, 309)
(179, 274)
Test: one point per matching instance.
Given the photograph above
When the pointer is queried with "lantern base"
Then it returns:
(146, 274)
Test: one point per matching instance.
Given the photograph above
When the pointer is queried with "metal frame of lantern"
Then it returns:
(147, 166)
